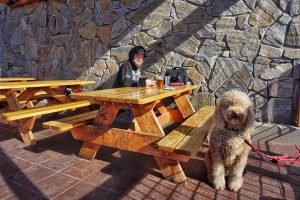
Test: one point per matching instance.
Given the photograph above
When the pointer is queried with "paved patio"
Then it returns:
(51, 170)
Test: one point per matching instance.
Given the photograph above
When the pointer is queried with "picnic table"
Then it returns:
(19, 109)
(146, 135)
(22, 79)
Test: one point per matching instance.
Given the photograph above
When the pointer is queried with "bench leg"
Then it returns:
(27, 137)
(89, 150)
(25, 126)
(170, 169)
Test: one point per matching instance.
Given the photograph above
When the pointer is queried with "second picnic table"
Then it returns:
(149, 116)
(13, 79)
(16, 94)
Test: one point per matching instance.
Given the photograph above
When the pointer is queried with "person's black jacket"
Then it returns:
(125, 77)
(128, 75)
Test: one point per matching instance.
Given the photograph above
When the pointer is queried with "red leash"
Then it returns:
(278, 160)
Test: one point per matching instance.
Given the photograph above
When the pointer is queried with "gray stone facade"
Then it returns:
(253, 46)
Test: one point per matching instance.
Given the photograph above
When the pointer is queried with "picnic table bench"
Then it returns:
(17, 93)
(147, 135)
(188, 137)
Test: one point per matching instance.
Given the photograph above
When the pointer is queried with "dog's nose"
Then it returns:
(235, 115)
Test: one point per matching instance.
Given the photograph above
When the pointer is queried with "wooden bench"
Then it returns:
(188, 137)
(38, 96)
(66, 124)
(37, 111)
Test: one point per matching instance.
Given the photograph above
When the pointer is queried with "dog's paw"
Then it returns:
(235, 184)
(219, 183)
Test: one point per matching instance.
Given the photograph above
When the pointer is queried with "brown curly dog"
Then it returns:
(228, 153)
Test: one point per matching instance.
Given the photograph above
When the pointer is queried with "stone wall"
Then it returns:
(251, 45)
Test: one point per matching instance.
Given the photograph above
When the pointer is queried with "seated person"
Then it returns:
(131, 70)
(128, 76)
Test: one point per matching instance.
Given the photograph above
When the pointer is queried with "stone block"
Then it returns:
(258, 100)
(293, 33)
(84, 17)
(291, 53)
(183, 43)
(202, 99)
(194, 75)
(31, 47)
(260, 87)
(243, 45)
(109, 17)
(161, 30)
(240, 81)
(264, 14)
(75, 7)
(278, 71)
(261, 65)
(121, 53)
(223, 70)
(99, 68)
(103, 33)
(209, 49)
(270, 51)
(158, 15)
(88, 31)
(277, 110)
(282, 87)
(118, 27)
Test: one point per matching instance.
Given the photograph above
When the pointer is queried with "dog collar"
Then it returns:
(235, 129)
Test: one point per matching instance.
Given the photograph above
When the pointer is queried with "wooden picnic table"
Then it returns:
(149, 116)
(12, 79)
(19, 94)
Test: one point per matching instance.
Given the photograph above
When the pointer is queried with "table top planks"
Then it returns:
(9, 79)
(34, 84)
(132, 95)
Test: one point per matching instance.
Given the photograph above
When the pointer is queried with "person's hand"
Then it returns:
(150, 82)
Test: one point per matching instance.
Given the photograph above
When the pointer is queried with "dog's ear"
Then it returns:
(250, 118)
(218, 117)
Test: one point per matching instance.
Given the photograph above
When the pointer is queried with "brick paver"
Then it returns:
(51, 170)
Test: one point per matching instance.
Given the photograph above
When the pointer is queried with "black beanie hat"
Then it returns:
(136, 50)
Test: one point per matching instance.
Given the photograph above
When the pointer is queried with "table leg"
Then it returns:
(184, 105)
(170, 169)
(161, 108)
(134, 126)
(149, 123)
(24, 126)
(27, 136)
(58, 94)
(106, 116)
(147, 120)
(89, 150)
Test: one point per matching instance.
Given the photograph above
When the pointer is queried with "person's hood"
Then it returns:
(134, 50)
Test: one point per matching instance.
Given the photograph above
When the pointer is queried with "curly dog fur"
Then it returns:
(228, 153)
